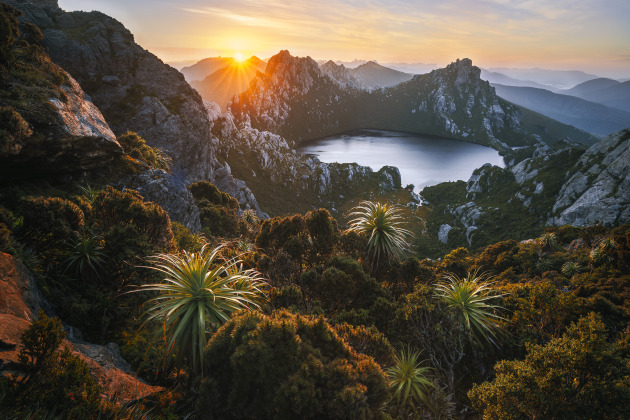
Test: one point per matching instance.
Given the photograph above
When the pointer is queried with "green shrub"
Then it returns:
(56, 379)
(288, 366)
(577, 376)
(112, 208)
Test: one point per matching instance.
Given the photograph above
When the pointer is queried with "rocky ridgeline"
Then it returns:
(341, 75)
(300, 100)
(75, 138)
(564, 185)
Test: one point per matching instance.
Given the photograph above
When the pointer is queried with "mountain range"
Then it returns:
(604, 91)
(295, 99)
(299, 100)
(592, 117)
(552, 79)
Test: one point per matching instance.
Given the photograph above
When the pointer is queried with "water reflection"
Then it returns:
(422, 159)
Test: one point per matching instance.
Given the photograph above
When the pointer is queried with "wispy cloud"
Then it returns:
(394, 30)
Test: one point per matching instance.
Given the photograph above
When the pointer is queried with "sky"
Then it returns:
(587, 35)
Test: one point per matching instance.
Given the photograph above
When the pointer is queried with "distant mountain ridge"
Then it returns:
(608, 92)
(589, 116)
(204, 68)
(502, 79)
(556, 79)
(296, 99)
(372, 74)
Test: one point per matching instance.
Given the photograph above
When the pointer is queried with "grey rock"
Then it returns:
(599, 191)
(443, 233)
(106, 356)
(170, 193)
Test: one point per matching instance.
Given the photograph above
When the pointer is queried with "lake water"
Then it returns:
(423, 160)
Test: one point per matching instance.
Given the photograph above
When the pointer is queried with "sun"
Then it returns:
(239, 57)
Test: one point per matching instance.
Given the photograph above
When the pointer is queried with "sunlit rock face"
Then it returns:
(20, 302)
(599, 191)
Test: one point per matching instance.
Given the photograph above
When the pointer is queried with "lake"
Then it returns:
(422, 159)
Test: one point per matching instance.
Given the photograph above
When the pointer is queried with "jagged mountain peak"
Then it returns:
(463, 71)
(340, 74)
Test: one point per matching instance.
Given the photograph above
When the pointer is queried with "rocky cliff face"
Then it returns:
(133, 88)
(299, 100)
(58, 129)
(599, 189)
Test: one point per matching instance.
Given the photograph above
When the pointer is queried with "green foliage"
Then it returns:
(539, 312)
(341, 285)
(204, 190)
(369, 341)
(470, 297)
(577, 376)
(309, 239)
(571, 268)
(217, 210)
(409, 380)
(51, 220)
(185, 239)
(41, 340)
(136, 147)
(288, 366)
(56, 379)
(14, 131)
(198, 293)
(113, 208)
(87, 257)
(382, 223)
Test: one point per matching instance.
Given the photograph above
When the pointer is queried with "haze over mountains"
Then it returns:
(604, 91)
(223, 77)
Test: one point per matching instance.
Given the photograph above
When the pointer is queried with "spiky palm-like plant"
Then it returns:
(549, 241)
(408, 380)
(471, 298)
(87, 255)
(382, 223)
(198, 291)
(570, 269)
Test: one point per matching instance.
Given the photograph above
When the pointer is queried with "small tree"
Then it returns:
(470, 297)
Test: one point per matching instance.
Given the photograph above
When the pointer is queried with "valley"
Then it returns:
(289, 238)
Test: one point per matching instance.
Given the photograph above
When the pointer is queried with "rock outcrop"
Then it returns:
(19, 303)
(285, 180)
(58, 130)
(599, 190)
(170, 193)
(134, 89)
